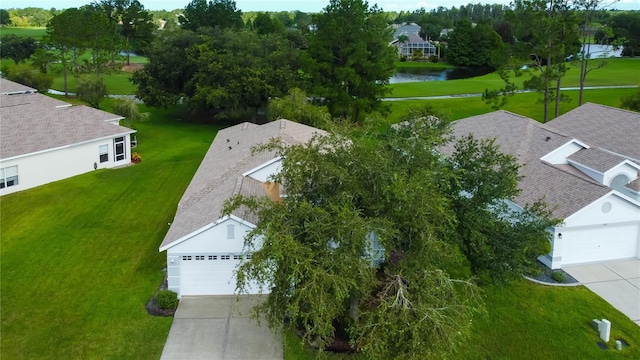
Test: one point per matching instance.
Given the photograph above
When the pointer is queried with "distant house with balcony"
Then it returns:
(407, 40)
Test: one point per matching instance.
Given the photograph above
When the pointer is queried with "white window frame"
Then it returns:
(9, 174)
(103, 150)
(119, 156)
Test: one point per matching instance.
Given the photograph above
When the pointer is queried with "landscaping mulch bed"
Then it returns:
(152, 305)
(545, 275)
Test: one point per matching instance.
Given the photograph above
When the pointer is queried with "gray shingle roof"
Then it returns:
(220, 173)
(596, 159)
(10, 87)
(565, 191)
(605, 127)
(34, 122)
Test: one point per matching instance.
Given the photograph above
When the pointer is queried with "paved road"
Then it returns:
(218, 327)
(618, 282)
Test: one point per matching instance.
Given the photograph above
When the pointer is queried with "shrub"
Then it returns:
(558, 276)
(434, 59)
(136, 158)
(403, 58)
(167, 299)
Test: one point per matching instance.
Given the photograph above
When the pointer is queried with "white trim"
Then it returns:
(262, 166)
(609, 194)
(70, 145)
(559, 148)
(205, 228)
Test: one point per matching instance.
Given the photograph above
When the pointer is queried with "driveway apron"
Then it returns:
(618, 282)
(219, 327)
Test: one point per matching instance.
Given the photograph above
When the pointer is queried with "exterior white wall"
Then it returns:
(559, 155)
(49, 166)
(595, 175)
(213, 240)
(609, 212)
(263, 172)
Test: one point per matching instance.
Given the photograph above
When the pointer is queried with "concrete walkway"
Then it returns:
(618, 282)
(218, 327)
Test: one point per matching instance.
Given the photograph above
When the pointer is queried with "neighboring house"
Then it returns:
(411, 41)
(585, 165)
(203, 247)
(43, 140)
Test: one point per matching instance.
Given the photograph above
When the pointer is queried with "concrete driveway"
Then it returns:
(218, 327)
(618, 282)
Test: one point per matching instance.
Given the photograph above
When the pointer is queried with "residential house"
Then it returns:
(585, 165)
(43, 140)
(407, 40)
(204, 247)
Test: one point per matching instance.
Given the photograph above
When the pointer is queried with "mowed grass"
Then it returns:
(80, 256)
(34, 32)
(531, 321)
(525, 104)
(118, 83)
(618, 71)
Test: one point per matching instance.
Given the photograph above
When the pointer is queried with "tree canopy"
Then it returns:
(349, 60)
(369, 241)
(214, 13)
(478, 46)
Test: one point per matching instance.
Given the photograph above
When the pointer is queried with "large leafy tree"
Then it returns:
(367, 240)
(98, 33)
(478, 46)
(213, 13)
(136, 27)
(62, 36)
(349, 58)
(18, 48)
(626, 27)
(5, 19)
(238, 70)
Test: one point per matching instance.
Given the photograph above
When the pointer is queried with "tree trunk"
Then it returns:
(557, 109)
(584, 62)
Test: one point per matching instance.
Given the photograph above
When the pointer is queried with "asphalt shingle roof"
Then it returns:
(220, 174)
(565, 189)
(605, 127)
(10, 87)
(596, 159)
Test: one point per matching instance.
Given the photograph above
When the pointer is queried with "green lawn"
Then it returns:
(117, 83)
(523, 104)
(34, 32)
(617, 72)
(80, 256)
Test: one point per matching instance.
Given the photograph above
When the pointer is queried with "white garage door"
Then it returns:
(208, 274)
(607, 242)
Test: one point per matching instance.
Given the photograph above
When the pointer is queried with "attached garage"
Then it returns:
(208, 274)
(599, 243)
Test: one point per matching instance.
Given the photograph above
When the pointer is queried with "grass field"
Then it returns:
(524, 104)
(34, 32)
(617, 72)
(117, 83)
(80, 256)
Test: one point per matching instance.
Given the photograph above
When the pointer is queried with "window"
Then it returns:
(118, 145)
(104, 153)
(213, 257)
(236, 257)
(225, 257)
(199, 257)
(186, 257)
(8, 176)
(230, 232)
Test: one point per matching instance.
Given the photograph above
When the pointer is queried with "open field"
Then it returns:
(117, 83)
(523, 104)
(34, 32)
(80, 256)
(617, 72)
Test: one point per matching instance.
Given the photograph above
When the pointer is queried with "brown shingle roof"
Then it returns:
(220, 173)
(596, 159)
(604, 127)
(34, 122)
(564, 191)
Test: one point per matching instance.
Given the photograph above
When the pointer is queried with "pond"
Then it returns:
(434, 74)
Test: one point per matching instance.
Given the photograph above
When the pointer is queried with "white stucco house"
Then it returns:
(585, 165)
(203, 247)
(43, 140)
